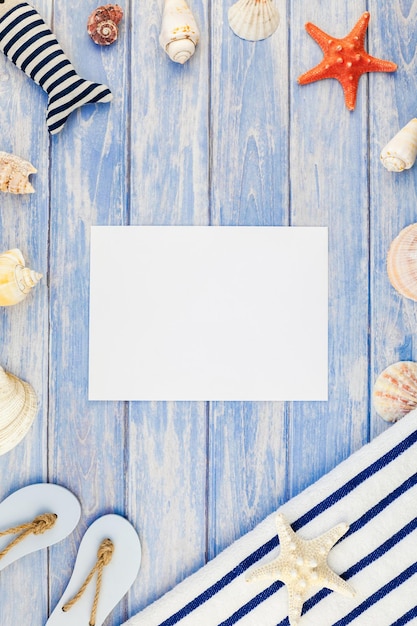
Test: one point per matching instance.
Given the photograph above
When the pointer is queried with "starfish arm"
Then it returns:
(331, 537)
(380, 65)
(336, 583)
(319, 72)
(295, 606)
(285, 532)
(270, 571)
(318, 35)
(359, 30)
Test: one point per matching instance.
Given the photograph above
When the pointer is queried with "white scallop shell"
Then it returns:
(14, 174)
(179, 31)
(402, 262)
(16, 280)
(400, 153)
(253, 19)
(18, 409)
(395, 391)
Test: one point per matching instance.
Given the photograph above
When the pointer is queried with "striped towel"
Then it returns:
(375, 492)
(27, 41)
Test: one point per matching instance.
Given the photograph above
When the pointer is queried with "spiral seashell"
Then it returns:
(402, 262)
(102, 25)
(18, 408)
(253, 19)
(395, 391)
(14, 174)
(400, 153)
(179, 32)
(16, 280)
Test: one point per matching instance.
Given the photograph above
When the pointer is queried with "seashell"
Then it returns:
(253, 19)
(18, 408)
(102, 25)
(395, 391)
(400, 153)
(14, 174)
(16, 280)
(179, 32)
(402, 262)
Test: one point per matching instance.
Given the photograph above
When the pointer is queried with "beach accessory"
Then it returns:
(18, 409)
(345, 59)
(400, 153)
(253, 19)
(14, 174)
(107, 564)
(179, 34)
(375, 493)
(35, 517)
(27, 41)
(16, 280)
(103, 24)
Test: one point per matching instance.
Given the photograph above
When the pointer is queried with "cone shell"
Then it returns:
(102, 25)
(18, 409)
(179, 32)
(400, 153)
(395, 391)
(14, 174)
(16, 280)
(253, 19)
(402, 262)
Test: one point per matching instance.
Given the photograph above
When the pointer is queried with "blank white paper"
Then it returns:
(208, 313)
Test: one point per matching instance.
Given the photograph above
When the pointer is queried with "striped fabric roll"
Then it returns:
(27, 41)
(375, 493)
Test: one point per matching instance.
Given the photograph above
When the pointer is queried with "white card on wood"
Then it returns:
(208, 313)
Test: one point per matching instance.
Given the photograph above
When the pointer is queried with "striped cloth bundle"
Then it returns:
(375, 492)
(27, 41)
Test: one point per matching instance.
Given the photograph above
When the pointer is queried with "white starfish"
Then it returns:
(302, 564)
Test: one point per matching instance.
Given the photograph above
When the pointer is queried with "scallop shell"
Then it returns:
(18, 408)
(402, 262)
(400, 153)
(102, 25)
(395, 391)
(179, 31)
(253, 19)
(14, 174)
(16, 280)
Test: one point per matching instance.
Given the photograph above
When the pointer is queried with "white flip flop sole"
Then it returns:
(118, 575)
(24, 505)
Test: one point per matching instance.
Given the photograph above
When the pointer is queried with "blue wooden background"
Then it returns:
(228, 139)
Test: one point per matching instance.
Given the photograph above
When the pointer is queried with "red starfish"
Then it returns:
(345, 59)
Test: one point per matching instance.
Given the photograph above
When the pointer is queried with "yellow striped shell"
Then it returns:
(18, 408)
(395, 391)
(179, 31)
(16, 280)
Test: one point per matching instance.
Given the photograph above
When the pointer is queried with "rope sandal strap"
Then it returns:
(37, 526)
(104, 556)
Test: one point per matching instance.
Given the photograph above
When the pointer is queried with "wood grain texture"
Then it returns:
(228, 139)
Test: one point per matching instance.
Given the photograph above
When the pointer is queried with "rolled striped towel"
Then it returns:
(375, 492)
(27, 41)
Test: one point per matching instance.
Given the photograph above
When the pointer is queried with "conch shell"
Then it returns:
(400, 153)
(253, 19)
(179, 33)
(402, 262)
(395, 391)
(16, 280)
(18, 408)
(14, 174)
(102, 25)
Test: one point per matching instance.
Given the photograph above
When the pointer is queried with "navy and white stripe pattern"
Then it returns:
(375, 492)
(27, 41)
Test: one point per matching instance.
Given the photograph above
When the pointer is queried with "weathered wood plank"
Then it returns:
(168, 185)
(249, 186)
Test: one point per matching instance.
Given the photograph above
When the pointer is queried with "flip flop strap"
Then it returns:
(104, 556)
(37, 526)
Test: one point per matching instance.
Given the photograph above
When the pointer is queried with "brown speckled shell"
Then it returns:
(102, 24)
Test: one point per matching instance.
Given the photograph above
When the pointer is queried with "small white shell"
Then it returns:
(253, 19)
(14, 174)
(18, 408)
(16, 280)
(402, 262)
(395, 391)
(179, 32)
(400, 153)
